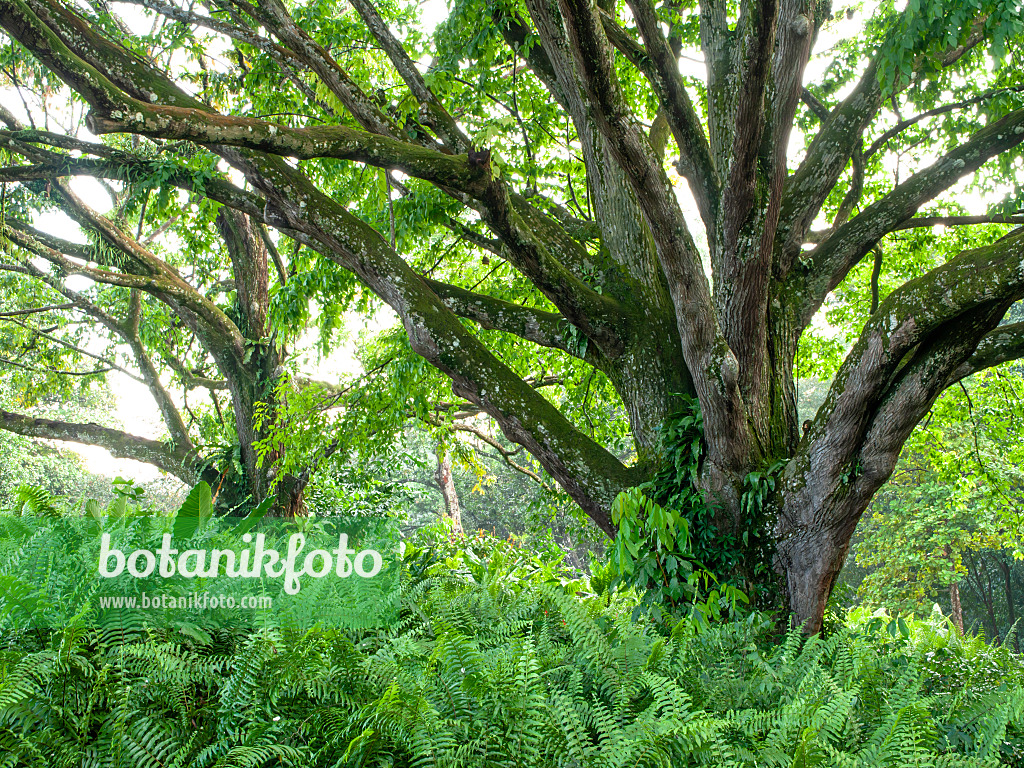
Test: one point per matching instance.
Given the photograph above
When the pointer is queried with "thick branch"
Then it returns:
(538, 326)
(748, 121)
(590, 473)
(586, 470)
(826, 158)
(831, 261)
(796, 32)
(182, 463)
(695, 163)
(1002, 345)
(449, 171)
(925, 335)
(114, 164)
(335, 141)
(317, 59)
(910, 315)
(833, 146)
(432, 113)
(249, 264)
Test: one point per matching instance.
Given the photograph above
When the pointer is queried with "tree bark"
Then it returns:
(446, 484)
(956, 609)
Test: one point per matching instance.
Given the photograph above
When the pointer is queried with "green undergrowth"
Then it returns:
(501, 658)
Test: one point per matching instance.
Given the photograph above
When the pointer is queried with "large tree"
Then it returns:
(546, 136)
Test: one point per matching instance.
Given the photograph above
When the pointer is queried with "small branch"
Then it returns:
(902, 125)
(191, 380)
(820, 235)
(36, 311)
(505, 453)
(55, 371)
(814, 104)
(876, 272)
(159, 230)
(275, 255)
(853, 194)
(480, 241)
(112, 366)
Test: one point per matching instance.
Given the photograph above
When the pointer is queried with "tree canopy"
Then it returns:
(585, 217)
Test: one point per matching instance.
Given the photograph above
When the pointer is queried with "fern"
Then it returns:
(497, 660)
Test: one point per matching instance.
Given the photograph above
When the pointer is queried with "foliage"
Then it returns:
(914, 542)
(931, 26)
(502, 658)
(668, 537)
(653, 554)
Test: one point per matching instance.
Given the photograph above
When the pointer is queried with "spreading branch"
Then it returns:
(662, 69)
(1004, 344)
(830, 262)
(540, 327)
(182, 463)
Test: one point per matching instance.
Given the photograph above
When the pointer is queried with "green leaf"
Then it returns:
(254, 517)
(197, 509)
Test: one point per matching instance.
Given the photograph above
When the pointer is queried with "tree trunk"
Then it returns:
(991, 608)
(811, 561)
(1010, 609)
(445, 481)
(954, 596)
(957, 610)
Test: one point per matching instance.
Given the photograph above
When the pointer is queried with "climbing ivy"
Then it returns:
(669, 530)
(653, 555)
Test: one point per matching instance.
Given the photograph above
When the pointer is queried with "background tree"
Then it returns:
(143, 319)
(540, 136)
(917, 547)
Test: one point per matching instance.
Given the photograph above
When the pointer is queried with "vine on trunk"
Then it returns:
(671, 536)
